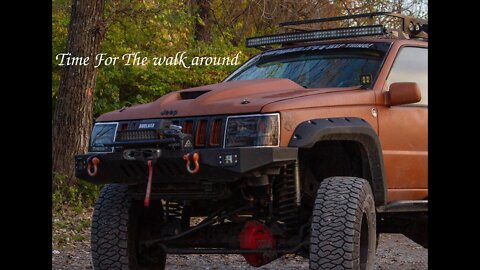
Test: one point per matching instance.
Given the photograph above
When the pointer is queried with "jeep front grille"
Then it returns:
(207, 132)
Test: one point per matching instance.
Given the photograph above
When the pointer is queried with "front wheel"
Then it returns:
(343, 232)
(118, 225)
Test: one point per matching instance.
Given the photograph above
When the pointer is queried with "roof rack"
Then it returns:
(411, 27)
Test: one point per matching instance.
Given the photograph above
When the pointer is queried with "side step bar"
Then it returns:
(404, 206)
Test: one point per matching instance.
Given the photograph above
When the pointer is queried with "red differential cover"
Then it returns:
(256, 236)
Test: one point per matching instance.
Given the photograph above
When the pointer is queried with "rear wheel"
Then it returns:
(118, 225)
(343, 225)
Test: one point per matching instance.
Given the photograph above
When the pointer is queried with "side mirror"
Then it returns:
(403, 93)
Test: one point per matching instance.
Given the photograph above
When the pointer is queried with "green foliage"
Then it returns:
(60, 20)
(76, 196)
(155, 29)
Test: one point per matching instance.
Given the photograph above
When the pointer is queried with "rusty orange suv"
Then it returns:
(312, 148)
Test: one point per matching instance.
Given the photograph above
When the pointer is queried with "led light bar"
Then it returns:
(336, 33)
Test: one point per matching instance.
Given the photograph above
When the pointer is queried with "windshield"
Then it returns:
(314, 68)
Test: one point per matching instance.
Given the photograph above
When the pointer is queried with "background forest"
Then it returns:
(162, 28)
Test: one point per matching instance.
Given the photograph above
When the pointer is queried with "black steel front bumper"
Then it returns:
(216, 165)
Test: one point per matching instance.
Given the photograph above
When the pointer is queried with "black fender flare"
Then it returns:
(308, 133)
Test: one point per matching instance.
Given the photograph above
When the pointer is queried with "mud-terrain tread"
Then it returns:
(337, 210)
(110, 228)
(118, 224)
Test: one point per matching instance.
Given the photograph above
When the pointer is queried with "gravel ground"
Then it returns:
(394, 252)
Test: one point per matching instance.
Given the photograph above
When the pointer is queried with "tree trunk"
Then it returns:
(203, 26)
(72, 119)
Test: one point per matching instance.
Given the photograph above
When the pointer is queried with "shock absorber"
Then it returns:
(286, 199)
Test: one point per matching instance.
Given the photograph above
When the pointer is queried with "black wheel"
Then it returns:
(118, 225)
(343, 225)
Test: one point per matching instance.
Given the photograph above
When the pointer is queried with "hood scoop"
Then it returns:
(192, 94)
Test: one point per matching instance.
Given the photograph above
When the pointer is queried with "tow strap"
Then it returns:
(146, 201)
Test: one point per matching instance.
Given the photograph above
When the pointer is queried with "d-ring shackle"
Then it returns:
(195, 157)
(95, 161)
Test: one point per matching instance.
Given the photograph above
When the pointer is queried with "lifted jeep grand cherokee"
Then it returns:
(313, 148)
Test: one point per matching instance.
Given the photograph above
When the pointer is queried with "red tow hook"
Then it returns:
(146, 201)
(95, 161)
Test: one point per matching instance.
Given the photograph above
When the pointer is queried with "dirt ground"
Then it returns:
(71, 250)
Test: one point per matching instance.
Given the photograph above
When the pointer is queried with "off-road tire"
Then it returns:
(116, 231)
(343, 232)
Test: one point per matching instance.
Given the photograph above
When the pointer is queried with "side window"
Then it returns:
(411, 65)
